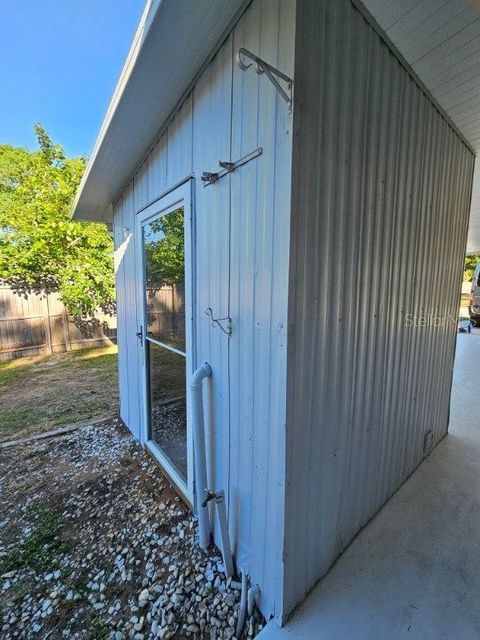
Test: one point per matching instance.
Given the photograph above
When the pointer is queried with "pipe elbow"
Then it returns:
(203, 371)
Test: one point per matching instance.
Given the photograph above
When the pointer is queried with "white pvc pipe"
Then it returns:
(199, 455)
(223, 525)
(252, 596)
(242, 612)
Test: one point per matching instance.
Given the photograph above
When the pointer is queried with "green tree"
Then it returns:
(470, 264)
(41, 248)
(164, 251)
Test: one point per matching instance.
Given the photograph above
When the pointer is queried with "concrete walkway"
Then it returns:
(414, 571)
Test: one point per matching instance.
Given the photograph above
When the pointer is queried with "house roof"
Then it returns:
(173, 42)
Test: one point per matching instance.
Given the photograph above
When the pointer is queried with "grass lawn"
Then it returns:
(41, 393)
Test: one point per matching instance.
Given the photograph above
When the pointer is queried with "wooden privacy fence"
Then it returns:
(166, 312)
(38, 324)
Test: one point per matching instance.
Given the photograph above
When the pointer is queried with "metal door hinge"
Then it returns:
(139, 335)
(225, 324)
(272, 73)
(228, 167)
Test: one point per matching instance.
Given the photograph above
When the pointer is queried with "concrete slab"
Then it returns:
(413, 571)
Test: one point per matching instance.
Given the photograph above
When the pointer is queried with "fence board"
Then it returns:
(38, 324)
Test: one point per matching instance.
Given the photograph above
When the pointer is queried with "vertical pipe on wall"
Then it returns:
(224, 535)
(204, 371)
(242, 611)
(219, 498)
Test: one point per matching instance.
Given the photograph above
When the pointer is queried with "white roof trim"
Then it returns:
(173, 42)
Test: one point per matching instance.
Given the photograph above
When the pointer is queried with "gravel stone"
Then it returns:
(126, 556)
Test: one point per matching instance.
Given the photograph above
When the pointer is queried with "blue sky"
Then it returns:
(59, 63)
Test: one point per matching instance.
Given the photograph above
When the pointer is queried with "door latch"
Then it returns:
(228, 167)
(139, 335)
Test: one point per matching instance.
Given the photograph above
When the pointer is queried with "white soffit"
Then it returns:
(441, 41)
(174, 40)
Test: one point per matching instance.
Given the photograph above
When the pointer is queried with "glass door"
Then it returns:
(163, 247)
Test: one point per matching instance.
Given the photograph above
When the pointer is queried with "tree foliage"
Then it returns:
(41, 248)
(471, 262)
(164, 251)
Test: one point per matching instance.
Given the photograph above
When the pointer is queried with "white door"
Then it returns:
(165, 280)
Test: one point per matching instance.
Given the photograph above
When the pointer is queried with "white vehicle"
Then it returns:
(474, 300)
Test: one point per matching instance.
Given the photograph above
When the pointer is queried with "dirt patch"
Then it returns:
(94, 543)
(38, 394)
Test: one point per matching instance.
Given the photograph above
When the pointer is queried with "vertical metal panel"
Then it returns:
(260, 218)
(379, 219)
(179, 141)
(134, 352)
(241, 270)
(121, 239)
(140, 187)
(125, 265)
(441, 40)
(211, 143)
(157, 169)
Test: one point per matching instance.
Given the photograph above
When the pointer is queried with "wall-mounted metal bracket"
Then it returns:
(209, 178)
(228, 167)
(225, 324)
(272, 74)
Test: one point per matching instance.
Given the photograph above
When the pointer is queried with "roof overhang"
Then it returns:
(174, 41)
(176, 38)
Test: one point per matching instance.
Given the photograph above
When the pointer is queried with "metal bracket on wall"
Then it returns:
(272, 74)
(228, 167)
(227, 329)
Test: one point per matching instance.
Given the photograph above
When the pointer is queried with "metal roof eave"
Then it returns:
(174, 41)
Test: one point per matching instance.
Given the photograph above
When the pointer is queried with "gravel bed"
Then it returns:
(170, 433)
(95, 544)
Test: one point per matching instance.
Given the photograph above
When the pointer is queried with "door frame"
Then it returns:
(180, 195)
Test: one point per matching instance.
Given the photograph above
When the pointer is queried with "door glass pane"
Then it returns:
(165, 279)
(168, 421)
(164, 259)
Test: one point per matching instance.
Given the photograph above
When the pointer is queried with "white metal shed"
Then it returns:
(292, 245)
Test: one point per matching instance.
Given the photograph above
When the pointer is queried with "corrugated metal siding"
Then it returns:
(380, 210)
(212, 104)
(120, 246)
(241, 270)
(128, 346)
(441, 40)
(260, 219)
